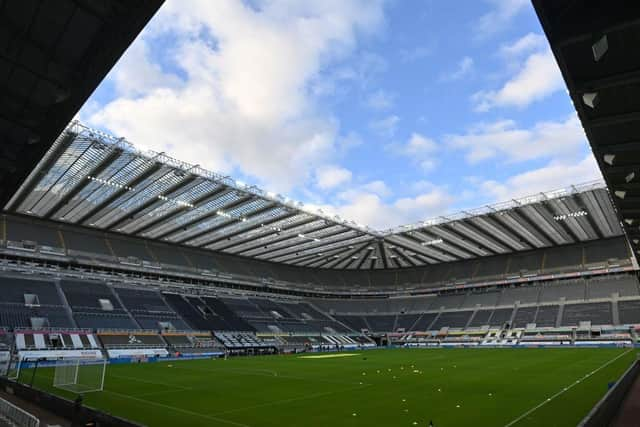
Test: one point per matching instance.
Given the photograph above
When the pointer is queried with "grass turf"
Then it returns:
(452, 387)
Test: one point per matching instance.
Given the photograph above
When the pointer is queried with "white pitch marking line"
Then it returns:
(565, 389)
(125, 377)
(290, 400)
(258, 373)
(184, 411)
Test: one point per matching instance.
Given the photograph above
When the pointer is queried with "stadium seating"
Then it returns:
(569, 290)
(95, 305)
(629, 312)
(104, 321)
(406, 321)
(500, 316)
(240, 340)
(452, 319)
(134, 339)
(381, 323)
(596, 313)
(524, 316)
(547, 315)
(88, 295)
(481, 318)
(486, 299)
(424, 322)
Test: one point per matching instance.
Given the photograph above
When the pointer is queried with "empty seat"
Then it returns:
(500, 316)
(629, 312)
(547, 315)
(481, 318)
(524, 316)
(596, 313)
(452, 319)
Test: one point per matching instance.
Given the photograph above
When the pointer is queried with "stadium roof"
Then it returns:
(53, 54)
(99, 181)
(595, 44)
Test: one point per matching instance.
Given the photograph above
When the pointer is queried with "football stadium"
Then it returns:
(141, 289)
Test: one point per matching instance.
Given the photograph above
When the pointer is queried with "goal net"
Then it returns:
(10, 367)
(80, 376)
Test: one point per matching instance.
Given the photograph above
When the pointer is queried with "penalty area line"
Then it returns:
(565, 389)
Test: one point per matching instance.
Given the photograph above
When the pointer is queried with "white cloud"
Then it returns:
(243, 102)
(538, 78)
(528, 43)
(367, 204)
(419, 149)
(378, 187)
(137, 74)
(386, 126)
(464, 68)
(506, 141)
(328, 177)
(380, 100)
(556, 174)
(418, 145)
(499, 17)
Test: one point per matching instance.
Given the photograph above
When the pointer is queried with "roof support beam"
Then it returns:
(229, 206)
(282, 254)
(521, 227)
(81, 184)
(241, 230)
(414, 247)
(411, 261)
(502, 234)
(545, 221)
(313, 225)
(472, 233)
(296, 239)
(342, 241)
(455, 238)
(191, 240)
(173, 216)
(425, 240)
(347, 253)
(154, 201)
(270, 229)
(98, 208)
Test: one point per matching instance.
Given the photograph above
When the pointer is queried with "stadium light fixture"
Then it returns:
(570, 215)
(432, 242)
(630, 177)
(600, 48)
(620, 194)
(590, 99)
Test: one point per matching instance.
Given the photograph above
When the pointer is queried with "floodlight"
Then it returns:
(599, 48)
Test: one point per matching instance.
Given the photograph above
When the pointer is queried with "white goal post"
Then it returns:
(10, 367)
(80, 375)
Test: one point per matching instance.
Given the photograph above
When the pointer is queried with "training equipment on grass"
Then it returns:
(80, 376)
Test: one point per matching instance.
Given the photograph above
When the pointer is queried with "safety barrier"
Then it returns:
(606, 408)
(17, 415)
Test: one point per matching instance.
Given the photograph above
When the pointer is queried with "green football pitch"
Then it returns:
(403, 387)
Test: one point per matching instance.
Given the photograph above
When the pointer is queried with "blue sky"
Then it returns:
(384, 112)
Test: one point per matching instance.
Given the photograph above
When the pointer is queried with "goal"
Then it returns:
(80, 376)
(10, 367)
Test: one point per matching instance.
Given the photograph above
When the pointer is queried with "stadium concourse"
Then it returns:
(114, 255)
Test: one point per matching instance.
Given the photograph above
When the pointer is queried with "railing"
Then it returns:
(605, 410)
(17, 415)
